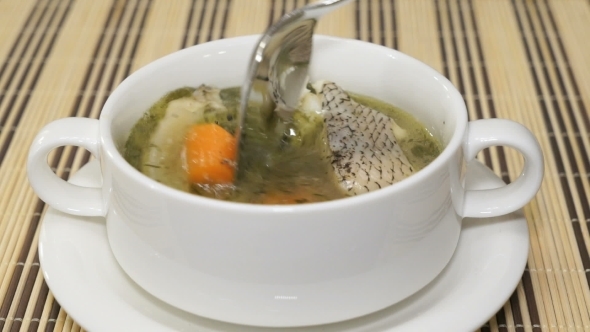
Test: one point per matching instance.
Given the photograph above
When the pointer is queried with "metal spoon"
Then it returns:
(278, 69)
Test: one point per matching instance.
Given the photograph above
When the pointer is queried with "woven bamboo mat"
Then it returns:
(523, 60)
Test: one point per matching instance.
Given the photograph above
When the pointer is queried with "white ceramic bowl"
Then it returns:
(287, 265)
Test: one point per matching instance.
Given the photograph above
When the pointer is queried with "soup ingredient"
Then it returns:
(417, 143)
(161, 157)
(362, 141)
(295, 196)
(284, 161)
(210, 153)
(140, 144)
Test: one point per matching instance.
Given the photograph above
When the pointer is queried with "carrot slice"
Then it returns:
(210, 154)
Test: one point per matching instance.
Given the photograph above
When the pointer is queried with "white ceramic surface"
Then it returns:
(287, 265)
(87, 281)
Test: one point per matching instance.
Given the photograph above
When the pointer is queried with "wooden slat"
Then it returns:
(418, 31)
(571, 22)
(163, 32)
(339, 23)
(257, 17)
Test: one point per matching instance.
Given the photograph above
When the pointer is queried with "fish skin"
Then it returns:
(365, 152)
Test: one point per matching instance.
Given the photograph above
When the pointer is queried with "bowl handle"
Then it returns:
(56, 192)
(499, 201)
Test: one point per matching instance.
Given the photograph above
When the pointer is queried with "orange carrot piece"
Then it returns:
(210, 154)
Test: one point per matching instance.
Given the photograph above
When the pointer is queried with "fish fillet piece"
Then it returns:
(365, 152)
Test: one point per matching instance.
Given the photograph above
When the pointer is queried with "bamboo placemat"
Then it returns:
(523, 60)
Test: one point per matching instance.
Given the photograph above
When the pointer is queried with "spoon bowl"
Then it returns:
(277, 73)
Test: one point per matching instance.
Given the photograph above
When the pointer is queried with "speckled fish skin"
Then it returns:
(365, 152)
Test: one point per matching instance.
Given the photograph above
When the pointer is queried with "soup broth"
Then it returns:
(282, 161)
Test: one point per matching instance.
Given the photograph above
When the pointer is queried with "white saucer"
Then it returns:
(89, 284)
